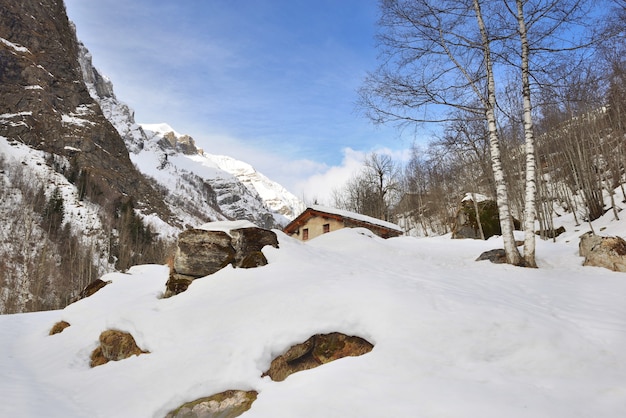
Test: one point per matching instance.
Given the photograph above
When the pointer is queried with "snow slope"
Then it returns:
(453, 337)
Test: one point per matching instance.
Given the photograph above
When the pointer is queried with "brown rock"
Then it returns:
(92, 288)
(177, 283)
(114, 346)
(333, 346)
(317, 350)
(40, 82)
(249, 242)
(59, 327)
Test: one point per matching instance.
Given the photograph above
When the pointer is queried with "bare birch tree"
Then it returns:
(529, 141)
(438, 57)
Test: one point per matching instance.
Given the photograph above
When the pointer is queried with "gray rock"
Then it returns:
(497, 256)
(227, 404)
(608, 252)
(200, 253)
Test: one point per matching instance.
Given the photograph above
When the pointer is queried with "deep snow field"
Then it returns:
(453, 337)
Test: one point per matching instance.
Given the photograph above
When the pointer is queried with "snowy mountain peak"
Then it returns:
(159, 128)
(200, 187)
(274, 196)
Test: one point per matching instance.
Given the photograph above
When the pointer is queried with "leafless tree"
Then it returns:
(439, 56)
(374, 190)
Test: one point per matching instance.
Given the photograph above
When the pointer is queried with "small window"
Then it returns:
(305, 234)
(326, 228)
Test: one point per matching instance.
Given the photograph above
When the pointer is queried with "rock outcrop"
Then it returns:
(114, 346)
(227, 404)
(608, 252)
(92, 288)
(46, 104)
(317, 350)
(466, 226)
(59, 327)
(248, 243)
(200, 253)
(497, 256)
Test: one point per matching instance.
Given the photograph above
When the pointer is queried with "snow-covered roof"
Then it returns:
(348, 215)
(356, 216)
(471, 196)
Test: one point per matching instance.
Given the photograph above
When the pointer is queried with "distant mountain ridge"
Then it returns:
(196, 182)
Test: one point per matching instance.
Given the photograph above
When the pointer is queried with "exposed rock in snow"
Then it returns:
(607, 252)
(317, 350)
(227, 404)
(114, 346)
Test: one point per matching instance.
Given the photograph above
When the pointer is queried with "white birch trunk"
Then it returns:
(502, 199)
(529, 140)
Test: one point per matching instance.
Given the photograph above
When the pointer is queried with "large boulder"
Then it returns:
(608, 252)
(203, 252)
(200, 252)
(466, 226)
(227, 404)
(317, 350)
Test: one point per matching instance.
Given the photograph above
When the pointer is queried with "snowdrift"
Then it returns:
(452, 336)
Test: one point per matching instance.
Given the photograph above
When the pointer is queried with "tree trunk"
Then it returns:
(477, 213)
(502, 199)
(529, 140)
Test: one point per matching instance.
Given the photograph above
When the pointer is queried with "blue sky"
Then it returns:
(269, 82)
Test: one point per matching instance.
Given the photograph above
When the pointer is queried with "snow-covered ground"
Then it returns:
(453, 337)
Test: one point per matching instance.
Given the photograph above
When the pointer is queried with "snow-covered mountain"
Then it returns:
(200, 186)
(84, 190)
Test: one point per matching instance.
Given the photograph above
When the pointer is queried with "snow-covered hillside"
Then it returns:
(452, 337)
(200, 186)
(28, 180)
(225, 173)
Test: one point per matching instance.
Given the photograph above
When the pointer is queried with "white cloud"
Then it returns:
(319, 186)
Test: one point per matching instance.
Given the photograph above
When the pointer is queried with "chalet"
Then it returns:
(317, 220)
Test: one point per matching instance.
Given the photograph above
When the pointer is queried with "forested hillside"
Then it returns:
(547, 117)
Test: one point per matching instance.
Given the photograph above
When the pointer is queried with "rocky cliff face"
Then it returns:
(46, 104)
(200, 186)
(83, 188)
